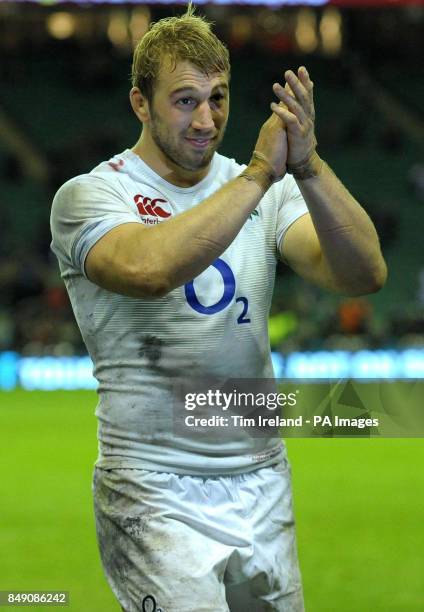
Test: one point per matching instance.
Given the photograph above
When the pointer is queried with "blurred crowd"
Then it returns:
(35, 314)
(310, 320)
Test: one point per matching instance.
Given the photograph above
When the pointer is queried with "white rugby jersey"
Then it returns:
(215, 326)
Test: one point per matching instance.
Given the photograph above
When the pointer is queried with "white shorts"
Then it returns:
(172, 543)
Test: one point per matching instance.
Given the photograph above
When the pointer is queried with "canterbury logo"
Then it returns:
(149, 206)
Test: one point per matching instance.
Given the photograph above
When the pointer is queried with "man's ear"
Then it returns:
(140, 105)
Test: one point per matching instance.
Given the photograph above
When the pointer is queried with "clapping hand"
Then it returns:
(296, 110)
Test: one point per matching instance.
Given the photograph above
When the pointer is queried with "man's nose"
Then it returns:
(202, 117)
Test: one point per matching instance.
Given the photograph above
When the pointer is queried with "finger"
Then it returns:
(305, 79)
(281, 105)
(291, 102)
(289, 89)
(289, 119)
(300, 92)
(279, 123)
(309, 86)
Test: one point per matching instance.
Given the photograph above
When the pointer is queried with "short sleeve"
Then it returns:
(85, 209)
(291, 206)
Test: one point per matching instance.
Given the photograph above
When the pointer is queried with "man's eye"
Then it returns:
(217, 97)
(185, 101)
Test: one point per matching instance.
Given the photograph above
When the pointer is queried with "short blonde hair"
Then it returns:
(184, 38)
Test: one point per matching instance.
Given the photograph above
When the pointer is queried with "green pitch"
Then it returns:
(359, 508)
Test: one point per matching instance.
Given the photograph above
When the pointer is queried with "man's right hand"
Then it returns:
(272, 145)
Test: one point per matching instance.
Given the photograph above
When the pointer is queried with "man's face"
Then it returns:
(188, 114)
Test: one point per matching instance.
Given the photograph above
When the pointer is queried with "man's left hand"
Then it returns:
(296, 109)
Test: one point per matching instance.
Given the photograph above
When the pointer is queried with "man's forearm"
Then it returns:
(190, 242)
(348, 258)
(351, 255)
(143, 262)
(149, 262)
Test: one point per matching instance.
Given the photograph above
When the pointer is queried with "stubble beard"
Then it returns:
(177, 150)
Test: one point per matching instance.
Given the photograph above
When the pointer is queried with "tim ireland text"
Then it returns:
(236, 420)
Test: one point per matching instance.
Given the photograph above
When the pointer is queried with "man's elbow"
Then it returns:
(149, 282)
(371, 281)
(378, 277)
(153, 290)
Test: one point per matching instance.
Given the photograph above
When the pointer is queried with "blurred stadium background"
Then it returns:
(63, 108)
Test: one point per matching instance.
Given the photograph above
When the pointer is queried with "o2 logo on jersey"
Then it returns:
(149, 604)
(229, 282)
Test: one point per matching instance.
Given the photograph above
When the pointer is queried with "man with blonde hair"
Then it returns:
(168, 251)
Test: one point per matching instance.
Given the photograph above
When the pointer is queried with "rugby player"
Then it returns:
(168, 252)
